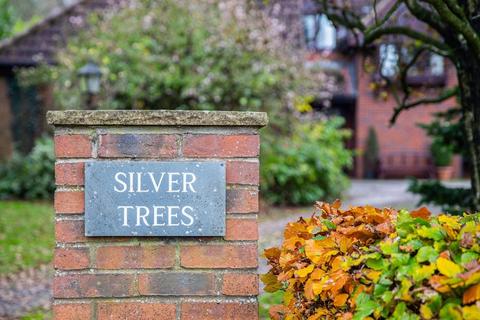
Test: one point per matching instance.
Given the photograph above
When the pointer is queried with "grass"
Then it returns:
(38, 315)
(266, 300)
(26, 235)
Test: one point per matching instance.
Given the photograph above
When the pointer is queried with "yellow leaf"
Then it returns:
(271, 282)
(451, 221)
(287, 297)
(426, 312)
(373, 275)
(340, 300)
(447, 267)
(471, 312)
(405, 290)
(317, 286)
(305, 271)
(424, 272)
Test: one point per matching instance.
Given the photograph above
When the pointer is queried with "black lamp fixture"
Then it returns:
(90, 76)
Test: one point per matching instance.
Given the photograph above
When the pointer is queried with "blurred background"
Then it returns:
(330, 104)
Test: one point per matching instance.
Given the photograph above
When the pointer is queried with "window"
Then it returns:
(427, 65)
(437, 65)
(388, 60)
(320, 33)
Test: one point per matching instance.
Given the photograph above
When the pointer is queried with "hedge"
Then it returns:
(371, 263)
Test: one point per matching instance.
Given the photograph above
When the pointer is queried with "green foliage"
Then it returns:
(442, 153)
(377, 264)
(451, 200)
(29, 177)
(371, 155)
(11, 21)
(447, 131)
(180, 55)
(7, 19)
(37, 315)
(267, 300)
(26, 235)
(306, 166)
(447, 127)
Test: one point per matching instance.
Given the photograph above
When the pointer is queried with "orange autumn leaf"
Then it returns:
(422, 213)
(277, 312)
(272, 253)
(472, 294)
(340, 300)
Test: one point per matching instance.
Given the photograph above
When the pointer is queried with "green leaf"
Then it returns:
(399, 259)
(365, 306)
(426, 254)
(329, 224)
(318, 238)
(376, 264)
(468, 256)
(434, 233)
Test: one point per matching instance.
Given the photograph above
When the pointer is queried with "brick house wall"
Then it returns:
(404, 147)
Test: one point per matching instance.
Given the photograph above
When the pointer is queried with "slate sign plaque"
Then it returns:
(155, 198)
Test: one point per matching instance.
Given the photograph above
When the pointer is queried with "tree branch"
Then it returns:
(405, 31)
(445, 95)
(463, 27)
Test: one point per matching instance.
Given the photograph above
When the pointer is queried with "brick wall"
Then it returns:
(156, 278)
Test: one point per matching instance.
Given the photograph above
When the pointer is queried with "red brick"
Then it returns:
(176, 284)
(94, 285)
(69, 202)
(212, 145)
(135, 311)
(72, 311)
(243, 172)
(240, 284)
(132, 257)
(71, 258)
(219, 256)
(217, 311)
(137, 145)
(70, 174)
(242, 229)
(242, 201)
(73, 146)
(68, 231)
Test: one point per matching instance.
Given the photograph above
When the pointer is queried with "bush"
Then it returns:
(371, 155)
(369, 263)
(306, 166)
(29, 177)
(201, 55)
(442, 154)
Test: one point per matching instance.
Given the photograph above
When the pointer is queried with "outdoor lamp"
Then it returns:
(90, 75)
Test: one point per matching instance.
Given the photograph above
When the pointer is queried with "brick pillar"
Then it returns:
(157, 278)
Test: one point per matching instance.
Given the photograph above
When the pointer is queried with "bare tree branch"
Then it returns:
(405, 31)
(445, 95)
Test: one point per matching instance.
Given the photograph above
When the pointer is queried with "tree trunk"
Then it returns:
(468, 72)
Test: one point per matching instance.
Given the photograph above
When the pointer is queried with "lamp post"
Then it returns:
(90, 75)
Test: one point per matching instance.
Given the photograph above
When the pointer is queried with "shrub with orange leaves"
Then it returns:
(370, 263)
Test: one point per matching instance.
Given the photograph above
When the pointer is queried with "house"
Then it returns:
(403, 148)
(22, 110)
